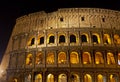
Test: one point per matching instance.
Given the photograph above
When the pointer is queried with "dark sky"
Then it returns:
(10, 10)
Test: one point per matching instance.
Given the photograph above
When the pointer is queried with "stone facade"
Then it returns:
(67, 45)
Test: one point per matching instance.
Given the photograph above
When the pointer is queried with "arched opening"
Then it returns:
(86, 58)
(118, 58)
(28, 78)
(113, 78)
(50, 78)
(116, 39)
(29, 59)
(87, 78)
(84, 38)
(51, 38)
(74, 59)
(31, 41)
(39, 58)
(101, 78)
(75, 78)
(50, 58)
(106, 39)
(40, 40)
(62, 78)
(99, 58)
(38, 78)
(110, 58)
(95, 39)
(62, 58)
(61, 39)
(15, 80)
(72, 38)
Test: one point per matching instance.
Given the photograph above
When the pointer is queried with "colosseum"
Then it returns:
(66, 45)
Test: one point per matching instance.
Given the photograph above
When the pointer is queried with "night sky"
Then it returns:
(10, 10)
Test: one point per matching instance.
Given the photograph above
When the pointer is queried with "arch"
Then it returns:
(39, 58)
(101, 78)
(38, 78)
(74, 58)
(29, 59)
(50, 58)
(40, 40)
(75, 78)
(62, 39)
(95, 38)
(51, 38)
(99, 58)
(87, 78)
(62, 78)
(118, 58)
(116, 39)
(86, 57)
(110, 58)
(28, 78)
(31, 41)
(84, 37)
(50, 78)
(106, 39)
(113, 78)
(72, 38)
(15, 80)
(62, 58)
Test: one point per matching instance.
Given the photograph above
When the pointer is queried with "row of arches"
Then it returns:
(95, 38)
(73, 58)
(73, 78)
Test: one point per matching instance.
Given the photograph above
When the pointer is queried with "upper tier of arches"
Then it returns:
(66, 37)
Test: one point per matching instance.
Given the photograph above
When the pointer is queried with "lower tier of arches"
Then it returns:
(64, 75)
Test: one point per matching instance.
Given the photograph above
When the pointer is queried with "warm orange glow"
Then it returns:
(31, 41)
(62, 78)
(29, 59)
(62, 58)
(106, 39)
(39, 58)
(99, 58)
(39, 39)
(118, 58)
(50, 40)
(74, 59)
(110, 58)
(84, 37)
(97, 37)
(50, 78)
(100, 78)
(86, 58)
(87, 78)
(50, 58)
(116, 39)
(38, 78)
(113, 78)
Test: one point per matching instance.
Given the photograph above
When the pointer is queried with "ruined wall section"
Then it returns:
(51, 20)
(68, 18)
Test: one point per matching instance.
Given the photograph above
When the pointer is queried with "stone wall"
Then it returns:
(68, 18)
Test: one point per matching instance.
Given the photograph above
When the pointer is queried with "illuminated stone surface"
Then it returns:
(68, 45)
